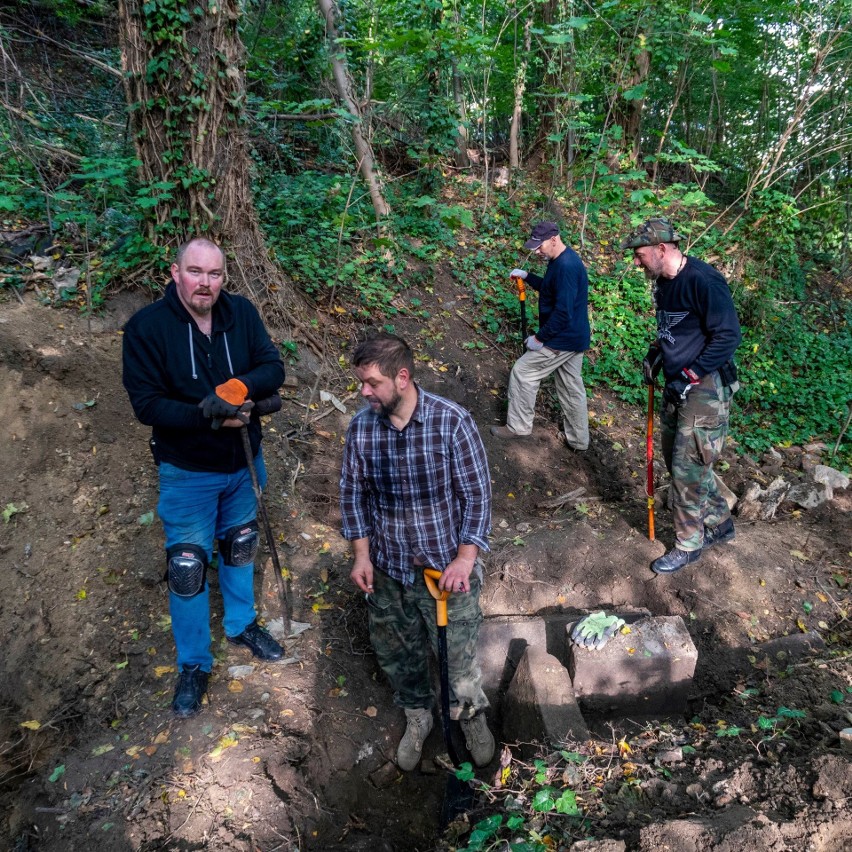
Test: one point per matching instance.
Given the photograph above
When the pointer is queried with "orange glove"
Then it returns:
(233, 391)
(224, 401)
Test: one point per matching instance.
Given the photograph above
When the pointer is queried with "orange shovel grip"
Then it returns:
(430, 576)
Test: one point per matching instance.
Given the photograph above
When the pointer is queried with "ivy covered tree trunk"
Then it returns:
(184, 81)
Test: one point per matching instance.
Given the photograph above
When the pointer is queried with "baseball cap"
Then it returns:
(541, 232)
(652, 233)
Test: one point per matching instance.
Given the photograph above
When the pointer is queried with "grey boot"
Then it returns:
(411, 745)
(478, 739)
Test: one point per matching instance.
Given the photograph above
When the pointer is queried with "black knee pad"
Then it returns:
(239, 546)
(186, 569)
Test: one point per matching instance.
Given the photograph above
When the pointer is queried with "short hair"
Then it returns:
(387, 351)
(182, 248)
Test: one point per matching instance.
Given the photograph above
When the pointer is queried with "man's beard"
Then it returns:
(390, 407)
(203, 308)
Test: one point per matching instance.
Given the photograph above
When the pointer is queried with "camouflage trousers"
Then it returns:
(402, 628)
(693, 436)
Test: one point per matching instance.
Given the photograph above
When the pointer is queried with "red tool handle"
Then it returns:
(649, 452)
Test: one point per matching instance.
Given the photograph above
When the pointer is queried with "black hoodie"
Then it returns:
(170, 366)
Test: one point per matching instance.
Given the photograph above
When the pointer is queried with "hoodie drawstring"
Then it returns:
(228, 353)
(191, 350)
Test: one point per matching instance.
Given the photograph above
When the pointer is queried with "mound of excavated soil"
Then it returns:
(297, 755)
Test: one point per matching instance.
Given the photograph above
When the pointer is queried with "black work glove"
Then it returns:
(651, 364)
(225, 401)
(678, 388)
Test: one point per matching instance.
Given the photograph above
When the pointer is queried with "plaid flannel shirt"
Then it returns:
(416, 493)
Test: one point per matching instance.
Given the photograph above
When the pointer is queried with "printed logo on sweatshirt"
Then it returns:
(666, 321)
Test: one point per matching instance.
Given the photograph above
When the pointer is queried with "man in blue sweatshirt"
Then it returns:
(194, 362)
(697, 334)
(557, 347)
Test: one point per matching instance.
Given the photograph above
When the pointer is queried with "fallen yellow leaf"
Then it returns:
(162, 737)
(31, 725)
(159, 671)
(235, 686)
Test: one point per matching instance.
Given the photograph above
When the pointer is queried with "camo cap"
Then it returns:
(652, 233)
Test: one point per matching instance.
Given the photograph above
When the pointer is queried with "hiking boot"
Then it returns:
(478, 739)
(411, 745)
(259, 642)
(674, 560)
(722, 534)
(563, 439)
(191, 688)
(505, 432)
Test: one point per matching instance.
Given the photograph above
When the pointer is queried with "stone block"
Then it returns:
(503, 640)
(540, 705)
(647, 672)
(788, 649)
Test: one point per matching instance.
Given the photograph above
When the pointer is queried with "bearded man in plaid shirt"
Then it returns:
(415, 492)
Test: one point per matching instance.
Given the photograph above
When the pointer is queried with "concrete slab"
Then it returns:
(540, 705)
(503, 640)
(647, 672)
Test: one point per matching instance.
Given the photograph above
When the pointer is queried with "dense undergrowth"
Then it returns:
(784, 264)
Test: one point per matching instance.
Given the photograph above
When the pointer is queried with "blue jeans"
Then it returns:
(196, 508)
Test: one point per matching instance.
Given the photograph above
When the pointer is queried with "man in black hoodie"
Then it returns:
(194, 362)
(698, 332)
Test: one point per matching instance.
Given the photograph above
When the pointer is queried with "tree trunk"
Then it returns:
(520, 85)
(185, 86)
(343, 82)
(628, 114)
(462, 137)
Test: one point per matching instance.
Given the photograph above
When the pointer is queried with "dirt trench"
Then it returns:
(299, 755)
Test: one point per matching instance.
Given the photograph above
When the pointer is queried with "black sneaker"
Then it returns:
(674, 560)
(725, 532)
(259, 642)
(191, 688)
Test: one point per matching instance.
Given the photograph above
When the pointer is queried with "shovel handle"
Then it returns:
(430, 576)
(649, 452)
(522, 288)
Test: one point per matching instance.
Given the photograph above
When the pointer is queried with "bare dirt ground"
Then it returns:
(298, 755)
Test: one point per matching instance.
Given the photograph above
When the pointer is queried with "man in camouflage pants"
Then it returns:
(415, 491)
(697, 334)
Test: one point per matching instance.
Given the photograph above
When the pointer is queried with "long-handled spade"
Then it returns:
(522, 298)
(458, 797)
(649, 453)
(286, 611)
(265, 406)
